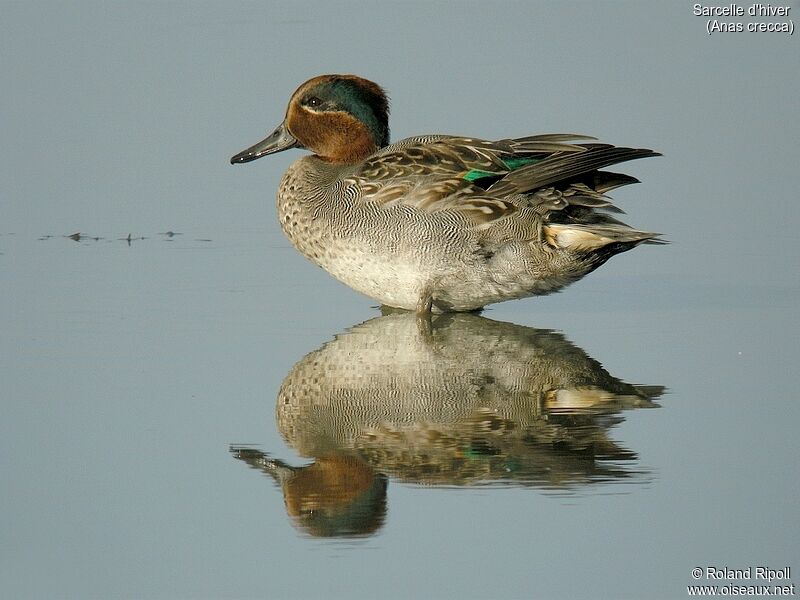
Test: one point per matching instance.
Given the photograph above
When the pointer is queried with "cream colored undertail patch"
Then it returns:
(574, 238)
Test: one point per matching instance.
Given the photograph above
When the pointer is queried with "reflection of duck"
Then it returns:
(438, 222)
(471, 400)
(461, 400)
(335, 495)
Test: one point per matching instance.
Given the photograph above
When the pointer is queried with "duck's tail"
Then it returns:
(577, 214)
(594, 237)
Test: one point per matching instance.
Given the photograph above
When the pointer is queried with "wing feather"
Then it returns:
(547, 172)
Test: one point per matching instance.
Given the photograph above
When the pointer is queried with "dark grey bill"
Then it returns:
(277, 141)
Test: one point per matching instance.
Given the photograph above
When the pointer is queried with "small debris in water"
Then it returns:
(77, 237)
(130, 239)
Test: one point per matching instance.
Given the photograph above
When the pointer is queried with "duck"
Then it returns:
(442, 223)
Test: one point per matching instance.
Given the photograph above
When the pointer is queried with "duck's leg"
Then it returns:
(424, 323)
(425, 303)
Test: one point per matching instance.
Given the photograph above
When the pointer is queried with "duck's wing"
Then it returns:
(565, 167)
(466, 158)
(445, 173)
(489, 180)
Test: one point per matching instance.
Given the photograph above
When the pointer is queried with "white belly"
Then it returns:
(387, 279)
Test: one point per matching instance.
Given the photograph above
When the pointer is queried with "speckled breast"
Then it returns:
(363, 246)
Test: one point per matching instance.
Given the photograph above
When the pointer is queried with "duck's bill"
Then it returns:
(277, 141)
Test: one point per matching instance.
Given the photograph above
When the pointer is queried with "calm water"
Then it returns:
(191, 410)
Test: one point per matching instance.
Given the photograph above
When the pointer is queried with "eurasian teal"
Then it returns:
(438, 222)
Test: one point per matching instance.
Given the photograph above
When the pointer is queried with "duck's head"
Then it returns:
(340, 118)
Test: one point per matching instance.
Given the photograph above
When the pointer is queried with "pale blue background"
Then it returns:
(126, 372)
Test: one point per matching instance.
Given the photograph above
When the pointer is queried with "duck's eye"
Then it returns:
(313, 101)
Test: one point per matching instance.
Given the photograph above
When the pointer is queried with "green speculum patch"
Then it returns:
(511, 164)
(476, 174)
(516, 163)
